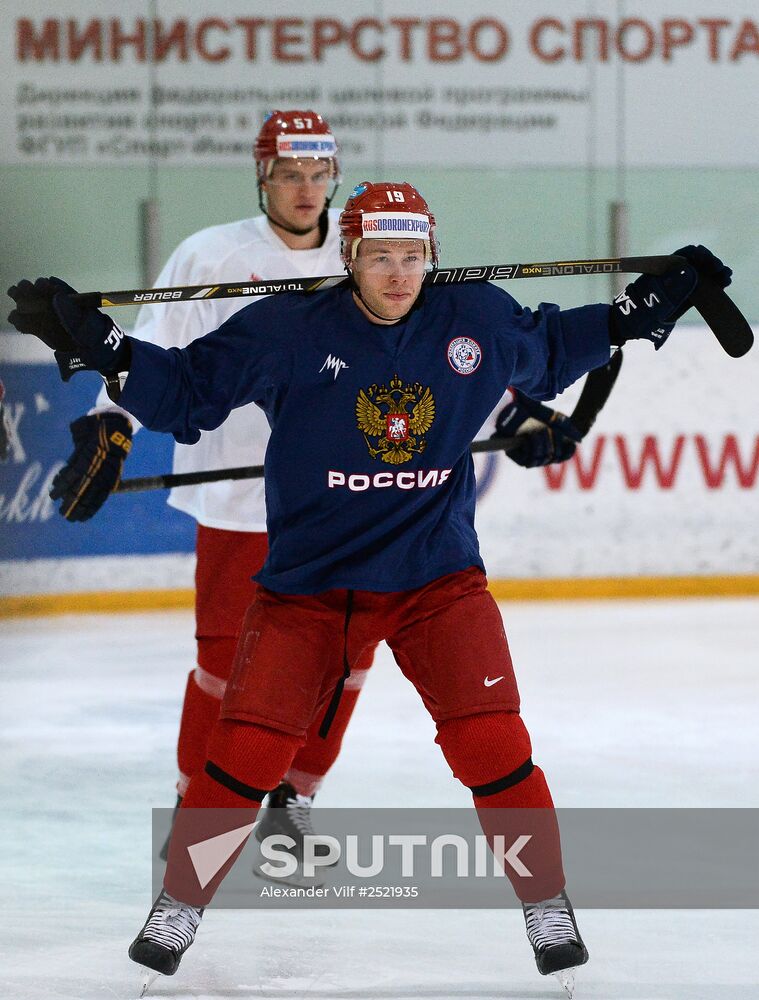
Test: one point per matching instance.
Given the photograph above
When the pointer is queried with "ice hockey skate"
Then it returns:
(287, 814)
(168, 932)
(552, 932)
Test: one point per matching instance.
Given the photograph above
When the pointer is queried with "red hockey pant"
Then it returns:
(447, 638)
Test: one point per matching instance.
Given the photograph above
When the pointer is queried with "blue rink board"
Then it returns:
(40, 409)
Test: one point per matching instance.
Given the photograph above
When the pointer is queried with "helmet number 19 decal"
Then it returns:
(387, 211)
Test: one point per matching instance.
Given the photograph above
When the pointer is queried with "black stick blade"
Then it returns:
(724, 318)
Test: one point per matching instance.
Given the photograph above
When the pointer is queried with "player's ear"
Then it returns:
(353, 272)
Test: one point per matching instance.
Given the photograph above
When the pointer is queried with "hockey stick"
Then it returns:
(442, 276)
(595, 392)
(719, 312)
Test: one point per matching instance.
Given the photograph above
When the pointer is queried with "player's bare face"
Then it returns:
(296, 191)
(389, 276)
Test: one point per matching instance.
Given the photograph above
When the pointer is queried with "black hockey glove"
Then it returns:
(81, 336)
(34, 314)
(547, 436)
(101, 444)
(649, 307)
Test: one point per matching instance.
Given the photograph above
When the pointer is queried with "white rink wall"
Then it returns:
(96, 574)
(666, 484)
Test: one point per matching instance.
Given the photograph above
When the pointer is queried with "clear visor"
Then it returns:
(293, 173)
(403, 257)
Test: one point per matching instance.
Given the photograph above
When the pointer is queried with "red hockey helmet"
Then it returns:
(301, 135)
(389, 211)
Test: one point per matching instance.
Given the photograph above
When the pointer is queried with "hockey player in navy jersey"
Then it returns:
(298, 169)
(374, 391)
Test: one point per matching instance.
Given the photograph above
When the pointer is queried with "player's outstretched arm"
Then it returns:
(648, 309)
(177, 391)
(651, 305)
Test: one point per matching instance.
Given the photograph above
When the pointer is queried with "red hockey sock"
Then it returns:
(253, 756)
(245, 762)
(317, 755)
(202, 702)
(491, 754)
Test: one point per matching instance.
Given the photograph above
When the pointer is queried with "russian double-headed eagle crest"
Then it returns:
(392, 432)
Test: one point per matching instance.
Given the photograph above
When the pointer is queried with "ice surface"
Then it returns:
(629, 704)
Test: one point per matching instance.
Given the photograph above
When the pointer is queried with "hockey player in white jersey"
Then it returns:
(298, 171)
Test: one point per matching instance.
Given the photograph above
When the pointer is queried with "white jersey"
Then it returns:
(248, 250)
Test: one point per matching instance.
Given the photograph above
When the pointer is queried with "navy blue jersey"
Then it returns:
(369, 478)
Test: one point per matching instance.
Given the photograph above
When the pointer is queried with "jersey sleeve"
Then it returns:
(184, 391)
(545, 350)
(169, 324)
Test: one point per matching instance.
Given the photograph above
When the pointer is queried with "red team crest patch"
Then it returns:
(397, 427)
(464, 355)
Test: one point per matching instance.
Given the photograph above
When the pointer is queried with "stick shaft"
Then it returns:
(656, 264)
(142, 483)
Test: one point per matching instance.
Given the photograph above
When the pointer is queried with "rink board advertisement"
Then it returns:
(523, 84)
(665, 484)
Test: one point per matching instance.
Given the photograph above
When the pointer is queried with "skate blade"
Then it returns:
(149, 976)
(566, 979)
